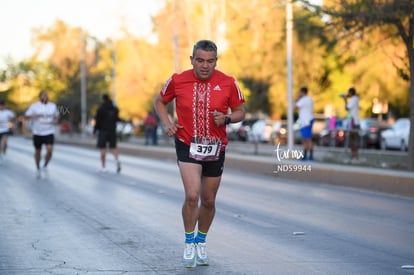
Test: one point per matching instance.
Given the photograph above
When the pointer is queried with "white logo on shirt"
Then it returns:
(217, 88)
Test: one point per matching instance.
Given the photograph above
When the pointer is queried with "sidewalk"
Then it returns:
(264, 161)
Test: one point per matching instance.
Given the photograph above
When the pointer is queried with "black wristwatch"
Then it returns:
(227, 120)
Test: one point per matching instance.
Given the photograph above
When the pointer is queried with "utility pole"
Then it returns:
(175, 39)
(113, 72)
(289, 50)
(176, 50)
(83, 85)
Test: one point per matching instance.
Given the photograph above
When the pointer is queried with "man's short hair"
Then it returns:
(352, 91)
(105, 97)
(304, 90)
(205, 45)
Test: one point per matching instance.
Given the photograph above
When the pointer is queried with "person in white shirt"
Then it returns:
(6, 117)
(305, 105)
(44, 116)
(352, 106)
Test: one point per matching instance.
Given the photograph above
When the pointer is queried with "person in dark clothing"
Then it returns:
(150, 125)
(155, 132)
(105, 124)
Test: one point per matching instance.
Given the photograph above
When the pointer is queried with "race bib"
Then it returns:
(205, 149)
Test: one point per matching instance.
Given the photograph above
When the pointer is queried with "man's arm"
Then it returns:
(237, 114)
(346, 102)
(29, 114)
(161, 108)
(11, 116)
(117, 115)
(97, 121)
(57, 116)
(298, 102)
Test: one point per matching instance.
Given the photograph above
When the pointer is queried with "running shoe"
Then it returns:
(202, 258)
(118, 167)
(189, 258)
(101, 170)
(45, 172)
(38, 174)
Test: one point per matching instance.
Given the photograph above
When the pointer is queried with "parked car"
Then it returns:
(232, 130)
(370, 132)
(245, 128)
(319, 123)
(333, 135)
(124, 130)
(397, 137)
(280, 135)
(262, 129)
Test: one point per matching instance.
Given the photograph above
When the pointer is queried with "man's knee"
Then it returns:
(208, 203)
(49, 149)
(192, 199)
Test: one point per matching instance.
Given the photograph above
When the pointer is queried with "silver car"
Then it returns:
(397, 137)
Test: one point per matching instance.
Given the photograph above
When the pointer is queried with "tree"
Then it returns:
(257, 54)
(62, 45)
(395, 18)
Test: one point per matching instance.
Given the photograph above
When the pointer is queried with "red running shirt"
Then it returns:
(197, 99)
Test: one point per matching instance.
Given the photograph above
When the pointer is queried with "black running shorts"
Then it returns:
(38, 141)
(209, 168)
(105, 137)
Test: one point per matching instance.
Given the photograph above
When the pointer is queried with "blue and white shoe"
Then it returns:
(201, 258)
(189, 257)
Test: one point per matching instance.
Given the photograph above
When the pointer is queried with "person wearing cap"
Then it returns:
(44, 116)
(351, 101)
(106, 119)
(6, 116)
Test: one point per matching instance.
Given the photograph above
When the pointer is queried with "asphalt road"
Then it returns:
(77, 221)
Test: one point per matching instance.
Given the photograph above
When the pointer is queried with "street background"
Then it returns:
(77, 221)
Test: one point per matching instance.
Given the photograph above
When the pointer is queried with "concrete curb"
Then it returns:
(381, 180)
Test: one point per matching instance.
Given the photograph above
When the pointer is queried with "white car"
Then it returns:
(261, 130)
(397, 137)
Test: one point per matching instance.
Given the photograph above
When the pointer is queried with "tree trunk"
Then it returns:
(408, 37)
(411, 137)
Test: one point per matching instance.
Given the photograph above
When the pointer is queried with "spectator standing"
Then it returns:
(155, 132)
(203, 97)
(6, 116)
(106, 119)
(150, 128)
(44, 116)
(351, 100)
(305, 105)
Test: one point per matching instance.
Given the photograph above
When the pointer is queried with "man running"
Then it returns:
(44, 116)
(6, 117)
(206, 101)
